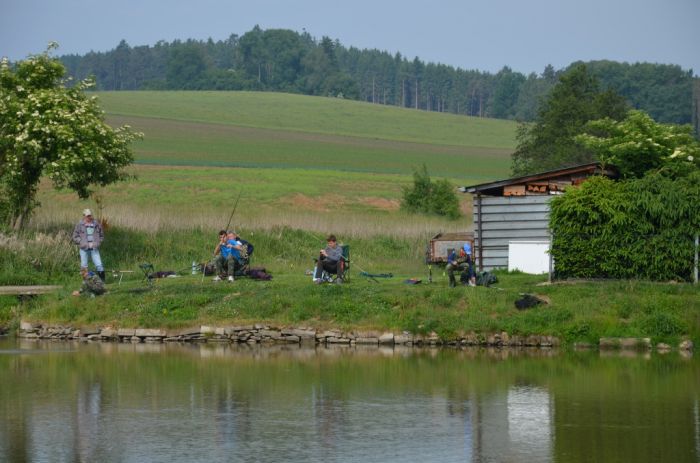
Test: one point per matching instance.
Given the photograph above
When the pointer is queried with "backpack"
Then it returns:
(485, 279)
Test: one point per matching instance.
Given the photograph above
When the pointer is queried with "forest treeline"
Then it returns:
(281, 60)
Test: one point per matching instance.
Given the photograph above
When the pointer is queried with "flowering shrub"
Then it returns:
(638, 144)
(48, 127)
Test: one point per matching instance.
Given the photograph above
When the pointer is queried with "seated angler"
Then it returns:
(462, 263)
(227, 253)
(92, 284)
(330, 260)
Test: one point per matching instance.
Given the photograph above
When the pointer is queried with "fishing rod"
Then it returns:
(234, 210)
(228, 224)
(235, 206)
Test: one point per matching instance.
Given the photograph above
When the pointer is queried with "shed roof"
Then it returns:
(565, 173)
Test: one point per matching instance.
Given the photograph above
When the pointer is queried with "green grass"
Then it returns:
(578, 312)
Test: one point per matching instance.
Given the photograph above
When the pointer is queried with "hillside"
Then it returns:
(305, 162)
(256, 129)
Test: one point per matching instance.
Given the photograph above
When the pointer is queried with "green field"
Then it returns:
(244, 129)
(304, 162)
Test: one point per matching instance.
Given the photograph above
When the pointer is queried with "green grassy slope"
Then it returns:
(253, 129)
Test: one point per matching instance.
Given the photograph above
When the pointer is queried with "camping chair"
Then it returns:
(149, 273)
(244, 262)
(330, 277)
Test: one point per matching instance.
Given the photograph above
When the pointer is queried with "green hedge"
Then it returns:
(641, 228)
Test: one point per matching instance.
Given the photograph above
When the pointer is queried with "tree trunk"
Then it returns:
(416, 93)
(19, 222)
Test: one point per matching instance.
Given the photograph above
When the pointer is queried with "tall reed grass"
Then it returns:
(160, 217)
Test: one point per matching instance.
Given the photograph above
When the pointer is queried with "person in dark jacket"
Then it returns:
(88, 236)
(330, 260)
(462, 263)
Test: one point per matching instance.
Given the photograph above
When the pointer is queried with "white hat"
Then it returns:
(87, 212)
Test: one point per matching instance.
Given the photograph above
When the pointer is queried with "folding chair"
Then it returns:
(330, 277)
(148, 272)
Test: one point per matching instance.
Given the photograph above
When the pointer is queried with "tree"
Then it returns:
(549, 143)
(186, 67)
(638, 144)
(430, 197)
(50, 129)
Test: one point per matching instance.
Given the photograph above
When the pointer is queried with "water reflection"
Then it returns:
(155, 402)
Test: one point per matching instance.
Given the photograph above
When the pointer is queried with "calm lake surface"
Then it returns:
(71, 402)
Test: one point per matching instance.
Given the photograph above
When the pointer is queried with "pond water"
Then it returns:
(70, 402)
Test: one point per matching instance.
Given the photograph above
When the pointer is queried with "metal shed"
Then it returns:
(517, 209)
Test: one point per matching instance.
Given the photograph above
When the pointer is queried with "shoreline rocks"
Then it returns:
(265, 334)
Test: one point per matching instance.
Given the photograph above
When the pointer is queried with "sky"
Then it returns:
(485, 35)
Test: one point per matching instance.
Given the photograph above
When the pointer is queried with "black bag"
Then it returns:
(486, 279)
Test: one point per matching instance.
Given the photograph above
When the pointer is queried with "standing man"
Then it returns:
(330, 260)
(88, 235)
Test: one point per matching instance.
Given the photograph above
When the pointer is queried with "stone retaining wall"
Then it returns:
(264, 334)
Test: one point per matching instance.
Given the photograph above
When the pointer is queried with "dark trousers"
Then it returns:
(330, 266)
(230, 263)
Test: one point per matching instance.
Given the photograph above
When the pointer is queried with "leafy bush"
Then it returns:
(641, 228)
(430, 197)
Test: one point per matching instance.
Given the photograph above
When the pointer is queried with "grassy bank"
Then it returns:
(584, 311)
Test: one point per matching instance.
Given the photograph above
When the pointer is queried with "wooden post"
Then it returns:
(551, 259)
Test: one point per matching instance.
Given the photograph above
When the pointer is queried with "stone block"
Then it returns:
(126, 332)
(88, 330)
(190, 331)
(386, 338)
(301, 333)
(28, 326)
(207, 330)
(107, 333)
(235, 329)
(149, 333)
(359, 340)
(274, 334)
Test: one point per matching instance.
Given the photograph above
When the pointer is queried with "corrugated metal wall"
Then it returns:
(507, 218)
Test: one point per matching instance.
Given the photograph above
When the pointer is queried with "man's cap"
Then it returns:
(86, 212)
